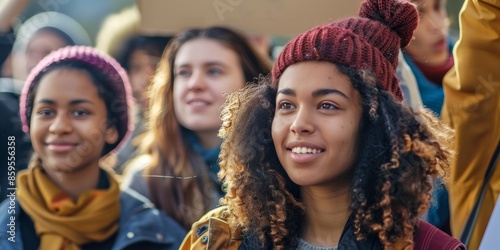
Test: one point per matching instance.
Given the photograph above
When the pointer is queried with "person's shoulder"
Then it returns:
(131, 199)
(133, 177)
(217, 217)
(430, 237)
(10, 208)
(141, 222)
(135, 205)
(214, 231)
(221, 212)
(9, 235)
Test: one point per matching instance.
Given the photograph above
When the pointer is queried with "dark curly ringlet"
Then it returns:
(400, 152)
(100, 81)
(249, 165)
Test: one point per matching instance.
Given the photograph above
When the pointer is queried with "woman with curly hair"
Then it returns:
(325, 155)
(178, 162)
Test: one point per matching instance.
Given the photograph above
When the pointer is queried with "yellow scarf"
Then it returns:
(62, 223)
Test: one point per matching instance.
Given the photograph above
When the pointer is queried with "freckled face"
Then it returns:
(315, 126)
(68, 122)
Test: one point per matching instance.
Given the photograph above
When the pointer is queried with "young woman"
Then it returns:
(325, 155)
(35, 39)
(41, 34)
(120, 37)
(430, 57)
(429, 54)
(178, 165)
(139, 57)
(75, 105)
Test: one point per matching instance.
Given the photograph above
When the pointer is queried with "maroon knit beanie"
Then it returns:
(371, 41)
(118, 81)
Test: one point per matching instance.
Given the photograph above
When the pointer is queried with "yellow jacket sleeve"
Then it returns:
(472, 108)
(213, 231)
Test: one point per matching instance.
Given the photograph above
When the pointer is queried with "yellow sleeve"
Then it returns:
(213, 231)
(472, 108)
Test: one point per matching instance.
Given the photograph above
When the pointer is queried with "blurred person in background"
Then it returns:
(42, 34)
(429, 53)
(120, 37)
(9, 11)
(177, 164)
(429, 56)
(140, 57)
(33, 40)
(76, 107)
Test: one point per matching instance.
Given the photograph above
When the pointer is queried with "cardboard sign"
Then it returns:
(258, 17)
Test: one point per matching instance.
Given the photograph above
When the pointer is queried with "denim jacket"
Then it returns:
(139, 222)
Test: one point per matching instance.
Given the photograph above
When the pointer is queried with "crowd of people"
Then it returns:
(377, 131)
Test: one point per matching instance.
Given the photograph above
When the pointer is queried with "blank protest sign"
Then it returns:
(263, 17)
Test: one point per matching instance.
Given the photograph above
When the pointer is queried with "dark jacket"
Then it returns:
(15, 145)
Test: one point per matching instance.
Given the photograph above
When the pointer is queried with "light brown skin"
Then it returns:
(327, 122)
(430, 43)
(69, 129)
(271, 194)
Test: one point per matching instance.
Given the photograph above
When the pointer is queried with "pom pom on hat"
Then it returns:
(399, 16)
(371, 41)
(118, 81)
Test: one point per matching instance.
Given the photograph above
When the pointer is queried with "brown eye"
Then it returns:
(80, 113)
(327, 105)
(286, 105)
(45, 113)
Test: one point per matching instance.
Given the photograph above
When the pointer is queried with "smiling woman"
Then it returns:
(204, 70)
(77, 110)
(75, 105)
(325, 154)
(323, 116)
(178, 162)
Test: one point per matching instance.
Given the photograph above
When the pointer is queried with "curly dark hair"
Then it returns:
(401, 152)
